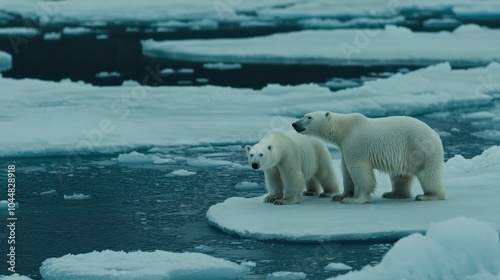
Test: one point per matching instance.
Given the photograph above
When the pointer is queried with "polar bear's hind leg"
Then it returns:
(401, 186)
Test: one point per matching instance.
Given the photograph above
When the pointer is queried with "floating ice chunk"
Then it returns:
(480, 115)
(5, 61)
(134, 158)
(167, 71)
(102, 36)
(286, 275)
(52, 36)
(459, 248)
(4, 205)
(163, 161)
(249, 264)
(19, 31)
(48, 192)
(204, 249)
(202, 80)
(107, 75)
(337, 267)
(76, 196)
(182, 172)
(209, 162)
(245, 186)
(77, 30)
(222, 66)
(442, 23)
(14, 276)
(140, 265)
(185, 71)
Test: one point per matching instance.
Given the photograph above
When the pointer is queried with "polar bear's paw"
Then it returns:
(355, 200)
(396, 195)
(271, 198)
(309, 193)
(326, 194)
(285, 201)
(338, 197)
(422, 197)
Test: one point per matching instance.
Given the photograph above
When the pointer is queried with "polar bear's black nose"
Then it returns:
(255, 166)
(294, 125)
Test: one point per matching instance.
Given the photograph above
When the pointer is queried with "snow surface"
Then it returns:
(127, 118)
(5, 61)
(458, 248)
(471, 186)
(140, 265)
(337, 267)
(392, 45)
(76, 196)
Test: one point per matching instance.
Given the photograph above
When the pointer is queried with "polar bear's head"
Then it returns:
(313, 123)
(260, 156)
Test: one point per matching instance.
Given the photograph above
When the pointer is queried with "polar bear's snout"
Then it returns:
(255, 166)
(298, 126)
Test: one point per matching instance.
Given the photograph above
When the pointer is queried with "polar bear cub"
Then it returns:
(403, 147)
(290, 162)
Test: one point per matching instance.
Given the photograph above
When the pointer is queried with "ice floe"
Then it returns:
(126, 118)
(391, 45)
(458, 248)
(471, 186)
(140, 265)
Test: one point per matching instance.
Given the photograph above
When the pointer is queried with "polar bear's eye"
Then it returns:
(309, 117)
(251, 155)
(260, 154)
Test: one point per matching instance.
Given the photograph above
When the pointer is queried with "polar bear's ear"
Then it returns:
(327, 115)
(269, 147)
(247, 148)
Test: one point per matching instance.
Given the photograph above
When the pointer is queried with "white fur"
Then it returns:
(403, 147)
(291, 161)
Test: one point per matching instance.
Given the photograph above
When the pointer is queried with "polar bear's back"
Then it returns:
(395, 144)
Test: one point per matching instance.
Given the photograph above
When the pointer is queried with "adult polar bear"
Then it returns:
(290, 162)
(404, 147)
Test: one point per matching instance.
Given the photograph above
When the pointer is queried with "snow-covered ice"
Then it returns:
(392, 45)
(204, 249)
(4, 205)
(182, 172)
(471, 186)
(48, 192)
(337, 267)
(76, 196)
(286, 275)
(126, 118)
(140, 265)
(458, 248)
(5, 61)
(249, 264)
(107, 75)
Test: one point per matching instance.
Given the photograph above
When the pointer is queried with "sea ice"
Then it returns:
(5, 61)
(337, 267)
(182, 172)
(76, 196)
(140, 265)
(286, 275)
(245, 186)
(342, 47)
(471, 186)
(459, 248)
(134, 158)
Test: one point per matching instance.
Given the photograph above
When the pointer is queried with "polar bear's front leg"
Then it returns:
(348, 184)
(312, 188)
(293, 183)
(274, 185)
(364, 183)
(401, 186)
